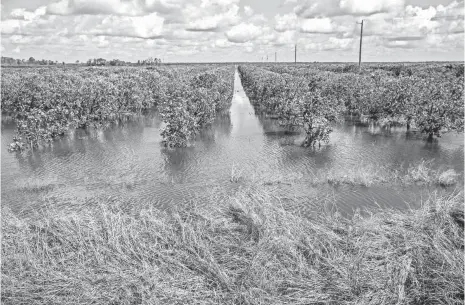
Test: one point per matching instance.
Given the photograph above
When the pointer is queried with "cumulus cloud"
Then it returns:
(258, 19)
(222, 43)
(243, 32)
(332, 43)
(178, 27)
(148, 26)
(93, 7)
(360, 7)
(23, 14)
(285, 38)
(248, 11)
(414, 23)
(101, 41)
(211, 15)
(117, 7)
(317, 25)
(285, 22)
(404, 44)
(318, 8)
(456, 26)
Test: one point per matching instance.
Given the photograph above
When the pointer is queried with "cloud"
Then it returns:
(243, 32)
(363, 7)
(248, 11)
(92, 7)
(211, 16)
(405, 38)
(177, 28)
(327, 8)
(11, 26)
(206, 24)
(456, 26)
(23, 14)
(285, 22)
(101, 41)
(404, 44)
(116, 7)
(414, 22)
(317, 25)
(258, 19)
(148, 26)
(285, 38)
(330, 44)
(222, 43)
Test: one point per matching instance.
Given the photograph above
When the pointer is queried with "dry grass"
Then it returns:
(448, 178)
(236, 174)
(35, 185)
(370, 174)
(420, 173)
(365, 175)
(247, 250)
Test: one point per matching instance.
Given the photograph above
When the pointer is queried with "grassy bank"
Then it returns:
(246, 250)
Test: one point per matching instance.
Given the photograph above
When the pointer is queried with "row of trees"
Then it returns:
(30, 61)
(104, 62)
(116, 62)
(314, 101)
(91, 62)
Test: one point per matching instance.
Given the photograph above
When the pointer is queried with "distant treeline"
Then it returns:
(9, 61)
(116, 62)
(31, 61)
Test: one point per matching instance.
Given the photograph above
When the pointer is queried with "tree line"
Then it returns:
(91, 62)
(30, 61)
(116, 62)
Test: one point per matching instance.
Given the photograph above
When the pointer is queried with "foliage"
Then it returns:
(47, 102)
(299, 102)
(429, 96)
(193, 102)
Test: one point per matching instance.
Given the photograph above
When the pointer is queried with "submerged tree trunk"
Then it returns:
(430, 137)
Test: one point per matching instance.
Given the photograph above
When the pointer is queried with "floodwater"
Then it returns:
(129, 161)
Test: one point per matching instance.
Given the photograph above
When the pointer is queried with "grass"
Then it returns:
(248, 249)
(420, 173)
(448, 178)
(365, 175)
(35, 185)
(236, 174)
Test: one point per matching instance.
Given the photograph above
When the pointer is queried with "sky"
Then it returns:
(233, 30)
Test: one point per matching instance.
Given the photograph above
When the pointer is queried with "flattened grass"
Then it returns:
(249, 249)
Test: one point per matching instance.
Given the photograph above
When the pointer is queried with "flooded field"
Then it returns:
(240, 148)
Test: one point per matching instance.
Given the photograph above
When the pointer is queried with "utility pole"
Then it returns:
(274, 56)
(360, 50)
(295, 53)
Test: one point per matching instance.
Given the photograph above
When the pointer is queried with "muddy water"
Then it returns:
(129, 162)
